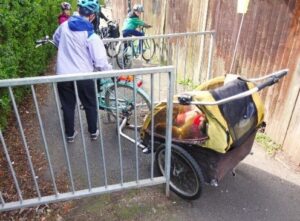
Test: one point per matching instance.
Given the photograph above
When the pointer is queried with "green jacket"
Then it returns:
(132, 22)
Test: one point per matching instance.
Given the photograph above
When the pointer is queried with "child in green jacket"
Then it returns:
(133, 21)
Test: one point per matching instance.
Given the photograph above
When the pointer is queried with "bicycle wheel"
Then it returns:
(126, 103)
(112, 49)
(186, 178)
(124, 58)
(148, 49)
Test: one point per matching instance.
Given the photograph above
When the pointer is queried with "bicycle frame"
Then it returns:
(107, 83)
(135, 44)
(133, 48)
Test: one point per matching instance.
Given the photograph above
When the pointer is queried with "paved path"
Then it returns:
(262, 190)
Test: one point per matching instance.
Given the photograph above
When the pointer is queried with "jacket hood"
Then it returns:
(78, 23)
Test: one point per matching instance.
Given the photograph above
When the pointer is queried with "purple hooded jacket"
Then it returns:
(80, 50)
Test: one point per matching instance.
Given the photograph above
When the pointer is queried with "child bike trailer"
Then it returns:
(213, 129)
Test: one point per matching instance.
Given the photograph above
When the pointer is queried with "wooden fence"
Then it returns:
(269, 40)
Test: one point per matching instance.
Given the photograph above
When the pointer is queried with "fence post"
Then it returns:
(169, 131)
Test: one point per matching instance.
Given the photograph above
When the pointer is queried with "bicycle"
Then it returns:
(118, 94)
(130, 49)
(111, 31)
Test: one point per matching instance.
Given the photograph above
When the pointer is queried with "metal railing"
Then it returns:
(107, 163)
(191, 54)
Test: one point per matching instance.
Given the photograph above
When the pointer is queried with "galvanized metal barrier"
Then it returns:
(108, 164)
(190, 53)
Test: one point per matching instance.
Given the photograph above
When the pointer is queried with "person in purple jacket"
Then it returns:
(80, 50)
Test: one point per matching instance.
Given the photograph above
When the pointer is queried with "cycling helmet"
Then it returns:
(138, 8)
(65, 6)
(89, 6)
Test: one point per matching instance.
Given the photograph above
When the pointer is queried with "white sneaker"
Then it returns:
(95, 136)
(72, 138)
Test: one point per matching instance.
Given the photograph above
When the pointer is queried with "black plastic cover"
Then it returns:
(241, 114)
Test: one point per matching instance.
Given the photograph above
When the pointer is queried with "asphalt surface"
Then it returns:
(263, 189)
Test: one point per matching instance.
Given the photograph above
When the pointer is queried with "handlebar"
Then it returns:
(273, 79)
(187, 99)
(44, 41)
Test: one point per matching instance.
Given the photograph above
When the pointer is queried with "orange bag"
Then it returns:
(125, 78)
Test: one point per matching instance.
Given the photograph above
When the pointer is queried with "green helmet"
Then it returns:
(91, 5)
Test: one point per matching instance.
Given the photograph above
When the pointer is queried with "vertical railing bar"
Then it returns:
(169, 132)
(24, 141)
(2, 200)
(119, 136)
(152, 126)
(11, 167)
(185, 60)
(211, 48)
(169, 52)
(201, 52)
(122, 54)
(64, 137)
(135, 129)
(159, 87)
(83, 138)
(101, 135)
(161, 41)
(236, 44)
(193, 62)
(176, 67)
(44, 139)
(161, 59)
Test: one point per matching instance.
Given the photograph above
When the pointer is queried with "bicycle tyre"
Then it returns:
(124, 58)
(112, 49)
(149, 48)
(186, 178)
(125, 101)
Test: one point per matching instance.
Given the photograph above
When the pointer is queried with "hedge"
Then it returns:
(21, 23)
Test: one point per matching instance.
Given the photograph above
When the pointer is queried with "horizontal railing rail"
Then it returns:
(88, 167)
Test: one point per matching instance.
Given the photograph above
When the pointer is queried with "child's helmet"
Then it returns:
(91, 5)
(65, 6)
(138, 8)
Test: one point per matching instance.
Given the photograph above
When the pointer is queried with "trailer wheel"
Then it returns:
(186, 178)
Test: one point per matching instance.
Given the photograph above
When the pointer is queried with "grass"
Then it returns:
(97, 204)
(267, 143)
(129, 205)
(187, 83)
(133, 211)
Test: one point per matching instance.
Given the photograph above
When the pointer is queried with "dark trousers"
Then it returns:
(87, 96)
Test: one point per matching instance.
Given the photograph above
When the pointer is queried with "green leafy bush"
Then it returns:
(21, 23)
